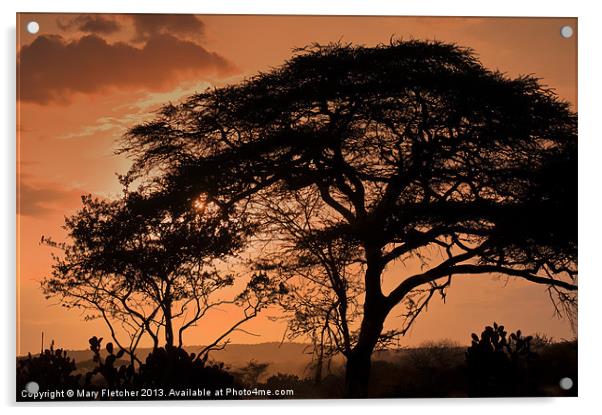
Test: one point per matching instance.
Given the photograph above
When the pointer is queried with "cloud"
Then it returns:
(51, 68)
(102, 125)
(138, 111)
(90, 23)
(143, 26)
(109, 124)
(180, 25)
(42, 199)
(154, 100)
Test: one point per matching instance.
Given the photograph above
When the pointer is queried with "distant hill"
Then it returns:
(294, 358)
(283, 357)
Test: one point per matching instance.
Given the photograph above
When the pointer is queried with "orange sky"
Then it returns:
(83, 79)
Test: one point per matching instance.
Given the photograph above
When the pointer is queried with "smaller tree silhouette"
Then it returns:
(500, 365)
(252, 372)
(148, 268)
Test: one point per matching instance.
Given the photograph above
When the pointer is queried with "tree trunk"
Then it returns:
(319, 366)
(169, 338)
(359, 361)
(357, 371)
(169, 334)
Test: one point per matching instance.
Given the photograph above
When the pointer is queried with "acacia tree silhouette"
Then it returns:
(405, 148)
(147, 267)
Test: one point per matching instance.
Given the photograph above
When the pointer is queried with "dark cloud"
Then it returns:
(145, 26)
(90, 23)
(148, 25)
(42, 199)
(51, 68)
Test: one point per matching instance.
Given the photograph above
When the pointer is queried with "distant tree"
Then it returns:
(250, 374)
(147, 268)
(322, 299)
(411, 151)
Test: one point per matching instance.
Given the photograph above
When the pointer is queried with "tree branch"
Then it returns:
(448, 268)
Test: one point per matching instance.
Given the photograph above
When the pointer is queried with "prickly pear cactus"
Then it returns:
(500, 365)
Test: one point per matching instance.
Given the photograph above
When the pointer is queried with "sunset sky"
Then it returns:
(84, 79)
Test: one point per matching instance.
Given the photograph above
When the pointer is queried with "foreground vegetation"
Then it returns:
(496, 364)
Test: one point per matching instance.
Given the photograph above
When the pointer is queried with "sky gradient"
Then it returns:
(84, 79)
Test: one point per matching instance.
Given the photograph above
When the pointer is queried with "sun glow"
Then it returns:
(203, 204)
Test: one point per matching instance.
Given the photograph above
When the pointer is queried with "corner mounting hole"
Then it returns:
(566, 32)
(32, 387)
(566, 383)
(33, 27)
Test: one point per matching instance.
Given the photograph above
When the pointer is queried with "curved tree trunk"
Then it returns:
(359, 361)
(357, 370)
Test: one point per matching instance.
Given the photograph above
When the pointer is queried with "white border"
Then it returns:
(590, 152)
(334, 7)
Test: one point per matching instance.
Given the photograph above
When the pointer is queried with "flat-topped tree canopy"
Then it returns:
(408, 144)
(410, 135)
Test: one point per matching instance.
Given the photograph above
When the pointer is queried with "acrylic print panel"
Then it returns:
(287, 207)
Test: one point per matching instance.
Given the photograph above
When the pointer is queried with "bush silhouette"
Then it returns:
(501, 365)
(252, 373)
(174, 367)
(165, 368)
(51, 370)
(301, 387)
(496, 364)
(113, 376)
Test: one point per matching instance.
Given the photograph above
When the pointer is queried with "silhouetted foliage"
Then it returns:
(252, 372)
(500, 365)
(147, 268)
(114, 377)
(51, 370)
(437, 369)
(175, 368)
(556, 361)
(303, 388)
(384, 154)
(164, 368)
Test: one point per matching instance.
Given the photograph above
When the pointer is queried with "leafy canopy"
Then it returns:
(408, 145)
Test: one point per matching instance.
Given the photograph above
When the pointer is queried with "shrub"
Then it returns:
(114, 377)
(51, 370)
(165, 368)
(173, 367)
